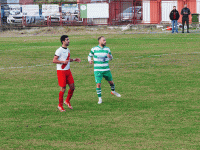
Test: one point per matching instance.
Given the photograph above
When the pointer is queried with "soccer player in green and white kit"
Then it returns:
(101, 56)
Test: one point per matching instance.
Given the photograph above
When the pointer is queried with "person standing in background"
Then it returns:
(185, 12)
(174, 16)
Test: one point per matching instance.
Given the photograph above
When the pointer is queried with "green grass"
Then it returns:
(156, 74)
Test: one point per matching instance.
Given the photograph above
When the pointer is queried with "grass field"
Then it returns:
(156, 74)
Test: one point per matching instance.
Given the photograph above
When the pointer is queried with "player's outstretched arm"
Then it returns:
(90, 60)
(110, 56)
(76, 59)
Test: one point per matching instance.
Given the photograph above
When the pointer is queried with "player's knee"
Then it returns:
(63, 89)
(111, 83)
(98, 85)
(72, 88)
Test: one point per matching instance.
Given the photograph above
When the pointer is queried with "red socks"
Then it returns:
(61, 98)
(69, 96)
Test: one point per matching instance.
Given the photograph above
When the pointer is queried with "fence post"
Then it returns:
(0, 14)
(109, 15)
(47, 20)
(23, 21)
(115, 12)
(134, 5)
(61, 22)
(50, 20)
(84, 21)
(160, 11)
(60, 9)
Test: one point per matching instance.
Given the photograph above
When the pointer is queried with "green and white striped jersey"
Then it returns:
(100, 58)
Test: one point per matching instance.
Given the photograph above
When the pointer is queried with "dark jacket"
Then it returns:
(171, 15)
(187, 10)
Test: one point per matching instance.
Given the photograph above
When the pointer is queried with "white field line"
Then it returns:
(26, 66)
(115, 58)
(168, 38)
(25, 48)
(169, 54)
(161, 38)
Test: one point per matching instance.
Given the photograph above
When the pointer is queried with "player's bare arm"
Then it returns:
(76, 59)
(91, 61)
(109, 56)
(56, 61)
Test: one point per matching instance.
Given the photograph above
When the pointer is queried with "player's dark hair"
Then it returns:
(62, 38)
(100, 37)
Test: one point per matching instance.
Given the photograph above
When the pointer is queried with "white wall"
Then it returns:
(146, 11)
(198, 8)
(166, 8)
(98, 10)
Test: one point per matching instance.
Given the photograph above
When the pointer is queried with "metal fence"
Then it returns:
(95, 12)
(69, 14)
(41, 14)
(126, 12)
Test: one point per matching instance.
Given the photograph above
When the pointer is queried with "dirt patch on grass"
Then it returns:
(77, 30)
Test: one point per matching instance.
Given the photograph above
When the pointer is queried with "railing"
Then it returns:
(118, 12)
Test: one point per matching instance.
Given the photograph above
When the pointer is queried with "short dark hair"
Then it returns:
(100, 37)
(174, 6)
(63, 37)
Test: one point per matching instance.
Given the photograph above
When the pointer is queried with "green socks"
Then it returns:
(98, 92)
(112, 87)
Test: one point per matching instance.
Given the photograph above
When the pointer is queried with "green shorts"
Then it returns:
(100, 74)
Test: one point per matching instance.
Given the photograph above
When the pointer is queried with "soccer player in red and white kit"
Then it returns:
(62, 59)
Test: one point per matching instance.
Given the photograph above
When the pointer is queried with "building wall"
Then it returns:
(166, 7)
(93, 1)
(155, 11)
(146, 12)
(83, 1)
(26, 2)
(191, 4)
(160, 9)
(193, 9)
(198, 8)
